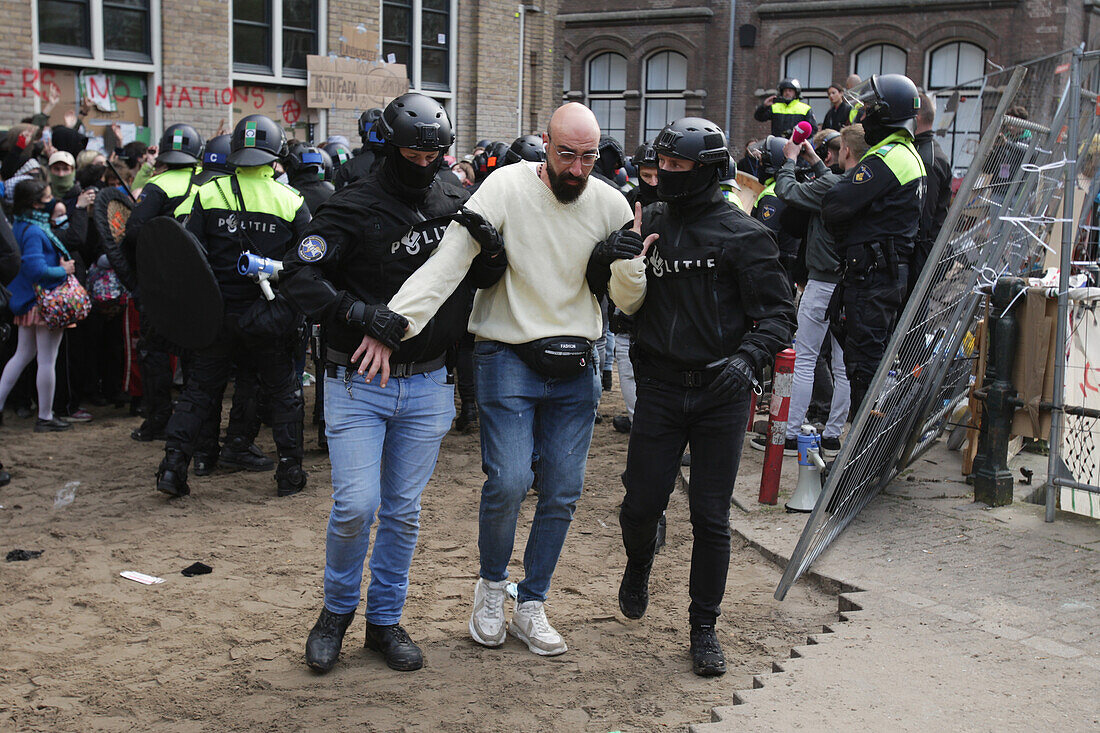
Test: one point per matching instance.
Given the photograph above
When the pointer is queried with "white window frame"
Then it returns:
(853, 67)
(98, 61)
(648, 96)
(811, 94)
(591, 96)
(277, 77)
(954, 141)
(447, 98)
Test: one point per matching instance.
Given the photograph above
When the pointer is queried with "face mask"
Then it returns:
(410, 180)
(61, 185)
(62, 222)
(647, 194)
(682, 186)
(460, 174)
(874, 133)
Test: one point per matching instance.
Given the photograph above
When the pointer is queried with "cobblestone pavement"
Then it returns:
(957, 615)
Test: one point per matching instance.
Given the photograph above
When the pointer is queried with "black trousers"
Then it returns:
(871, 305)
(466, 377)
(156, 376)
(272, 363)
(667, 418)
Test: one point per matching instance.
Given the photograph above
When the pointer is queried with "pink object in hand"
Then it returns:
(801, 131)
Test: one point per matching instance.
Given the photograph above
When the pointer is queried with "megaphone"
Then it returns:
(261, 269)
(810, 466)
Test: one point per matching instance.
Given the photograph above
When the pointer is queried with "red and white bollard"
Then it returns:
(777, 427)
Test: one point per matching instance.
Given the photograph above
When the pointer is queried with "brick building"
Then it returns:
(639, 66)
(156, 62)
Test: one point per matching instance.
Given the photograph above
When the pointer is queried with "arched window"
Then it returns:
(954, 68)
(882, 58)
(813, 67)
(665, 82)
(606, 84)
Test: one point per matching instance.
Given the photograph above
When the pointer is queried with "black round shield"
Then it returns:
(179, 294)
(110, 212)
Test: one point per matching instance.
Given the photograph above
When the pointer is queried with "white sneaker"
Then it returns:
(487, 620)
(530, 626)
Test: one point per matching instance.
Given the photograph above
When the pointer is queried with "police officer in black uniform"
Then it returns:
(247, 211)
(788, 223)
(305, 171)
(366, 241)
(937, 196)
(368, 157)
(181, 148)
(875, 211)
(715, 311)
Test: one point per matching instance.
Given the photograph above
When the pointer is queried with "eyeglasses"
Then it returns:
(568, 156)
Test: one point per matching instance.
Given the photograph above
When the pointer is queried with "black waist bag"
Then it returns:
(562, 357)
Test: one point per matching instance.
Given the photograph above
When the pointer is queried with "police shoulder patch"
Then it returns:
(312, 248)
(767, 211)
(863, 173)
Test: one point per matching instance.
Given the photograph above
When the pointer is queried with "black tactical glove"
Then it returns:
(377, 321)
(269, 319)
(484, 233)
(623, 244)
(736, 378)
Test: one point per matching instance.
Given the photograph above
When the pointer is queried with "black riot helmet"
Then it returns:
(771, 156)
(304, 162)
(790, 83)
(417, 122)
(699, 140)
(180, 145)
(526, 147)
(368, 133)
(645, 155)
(215, 159)
(256, 140)
(338, 152)
(483, 143)
(495, 155)
(887, 100)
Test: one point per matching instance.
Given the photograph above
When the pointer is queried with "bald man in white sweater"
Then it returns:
(537, 380)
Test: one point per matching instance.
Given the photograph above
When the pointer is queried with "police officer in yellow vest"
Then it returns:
(874, 211)
(786, 109)
(246, 211)
(181, 149)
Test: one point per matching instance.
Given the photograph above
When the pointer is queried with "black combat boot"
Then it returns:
(634, 590)
(605, 380)
(621, 423)
(172, 474)
(290, 477)
(204, 463)
(467, 417)
(393, 642)
(148, 432)
(239, 454)
(707, 659)
(325, 639)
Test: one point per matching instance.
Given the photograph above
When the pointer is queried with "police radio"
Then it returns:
(261, 269)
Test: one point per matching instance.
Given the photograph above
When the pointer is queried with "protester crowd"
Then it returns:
(521, 275)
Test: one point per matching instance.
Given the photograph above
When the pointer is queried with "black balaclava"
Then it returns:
(683, 187)
(875, 132)
(407, 179)
(647, 194)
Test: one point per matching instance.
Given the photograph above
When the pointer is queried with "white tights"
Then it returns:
(40, 341)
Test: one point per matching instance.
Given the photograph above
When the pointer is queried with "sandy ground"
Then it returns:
(84, 649)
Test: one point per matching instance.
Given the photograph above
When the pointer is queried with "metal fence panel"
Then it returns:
(1007, 205)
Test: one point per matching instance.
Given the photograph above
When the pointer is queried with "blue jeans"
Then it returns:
(383, 445)
(522, 412)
